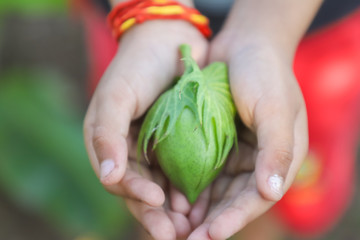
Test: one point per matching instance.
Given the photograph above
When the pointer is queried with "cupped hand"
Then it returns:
(273, 137)
(145, 65)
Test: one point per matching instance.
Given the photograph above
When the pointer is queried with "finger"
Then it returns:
(107, 124)
(201, 233)
(179, 203)
(301, 144)
(181, 224)
(200, 208)
(154, 219)
(245, 208)
(274, 125)
(237, 185)
(219, 188)
(139, 188)
(132, 141)
(232, 190)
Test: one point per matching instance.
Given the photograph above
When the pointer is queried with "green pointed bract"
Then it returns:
(192, 126)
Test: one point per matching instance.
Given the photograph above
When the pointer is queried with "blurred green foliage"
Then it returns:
(43, 163)
(33, 6)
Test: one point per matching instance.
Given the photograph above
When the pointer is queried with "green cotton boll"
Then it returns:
(185, 157)
(192, 127)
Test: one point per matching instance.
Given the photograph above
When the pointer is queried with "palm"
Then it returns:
(236, 179)
(270, 148)
(238, 169)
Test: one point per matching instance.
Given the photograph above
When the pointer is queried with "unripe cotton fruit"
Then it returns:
(192, 127)
(186, 159)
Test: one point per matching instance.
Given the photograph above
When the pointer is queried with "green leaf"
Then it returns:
(215, 107)
(161, 118)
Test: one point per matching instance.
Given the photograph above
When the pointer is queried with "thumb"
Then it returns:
(275, 133)
(128, 87)
(106, 127)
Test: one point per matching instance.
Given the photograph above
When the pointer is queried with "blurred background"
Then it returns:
(47, 187)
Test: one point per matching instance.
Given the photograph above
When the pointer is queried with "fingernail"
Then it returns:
(276, 185)
(106, 167)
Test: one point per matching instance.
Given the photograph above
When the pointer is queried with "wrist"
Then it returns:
(127, 14)
(162, 32)
(163, 38)
(279, 24)
(229, 43)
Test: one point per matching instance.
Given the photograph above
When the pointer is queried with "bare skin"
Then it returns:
(258, 43)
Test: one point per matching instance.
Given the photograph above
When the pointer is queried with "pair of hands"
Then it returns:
(272, 142)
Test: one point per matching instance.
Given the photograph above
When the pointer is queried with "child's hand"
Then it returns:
(258, 42)
(272, 144)
(145, 65)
